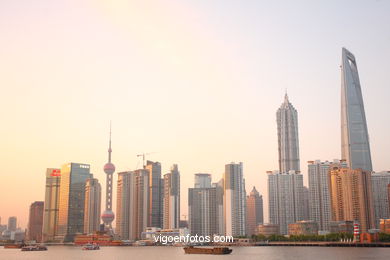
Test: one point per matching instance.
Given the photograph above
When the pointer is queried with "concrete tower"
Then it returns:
(355, 146)
(109, 168)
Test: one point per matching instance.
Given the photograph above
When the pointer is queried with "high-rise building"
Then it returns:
(202, 180)
(124, 200)
(35, 221)
(388, 194)
(12, 223)
(93, 192)
(319, 194)
(288, 142)
(154, 169)
(72, 198)
(305, 203)
(219, 189)
(380, 182)
(202, 207)
(285, 198)
(132, 204)
(355, 146)
(351, 196)
(254, 212)
(108, 215)
(51, 205)
(171, 199)
(234, 200)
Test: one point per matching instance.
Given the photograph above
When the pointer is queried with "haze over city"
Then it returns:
(195, 83)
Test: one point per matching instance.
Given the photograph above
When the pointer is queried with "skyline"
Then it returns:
(59, 114)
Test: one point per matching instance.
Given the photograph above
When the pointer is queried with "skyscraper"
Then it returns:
(12, 223)
(72, 198)
(92, 204)
(355, 146)
(109, 168)
(154, 169)
(254, 211)
(202, 180)
(124, 197)
(285, 198)
(51, 205)
(234, 200)
(351, 196)
(171, 199)
(305, 203)
(202, 207)
(319, 193)
(35, 221)
(132, 204)
(288, 142)
(380, 182)
(219, 188)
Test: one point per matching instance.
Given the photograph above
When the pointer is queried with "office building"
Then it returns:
(288, 142)
(155, 199)
(12, 223)
(51, 205)
(267, 229)
(72, 199)
(380, 182)
(202, 207)
(219, 189)
(234, 200)
(355, 146)
(351, 196)
(202, 180)
(254, 212)
(305, 203)
(304, 227)
(132, 204)
(92, 206)
(171, 200)
(285, 198)
(35, 221)
(319, 195)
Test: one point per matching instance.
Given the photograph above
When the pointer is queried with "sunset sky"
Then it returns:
(195, 82)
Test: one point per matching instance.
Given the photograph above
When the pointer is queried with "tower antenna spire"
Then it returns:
(109, 146)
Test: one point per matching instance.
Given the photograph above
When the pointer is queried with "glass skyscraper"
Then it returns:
(355, 146)
(52, 196)
(72, 198)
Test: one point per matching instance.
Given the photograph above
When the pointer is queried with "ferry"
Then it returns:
(209, 251)
(91, 247)
(34, 248)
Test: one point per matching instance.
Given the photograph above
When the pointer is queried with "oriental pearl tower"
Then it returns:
(109, 168)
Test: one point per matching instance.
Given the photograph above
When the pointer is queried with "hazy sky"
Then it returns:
(196, 82)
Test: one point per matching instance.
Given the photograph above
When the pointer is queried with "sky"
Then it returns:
(196, 83)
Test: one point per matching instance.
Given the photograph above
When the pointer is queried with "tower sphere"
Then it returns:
(108, 216)
(109, 168)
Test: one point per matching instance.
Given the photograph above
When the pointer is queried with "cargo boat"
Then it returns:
(34, 248)
(13, 246)
(208, 251)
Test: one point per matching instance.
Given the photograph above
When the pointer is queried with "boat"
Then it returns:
(206, 250)
(13, 246)
(34, 248)
(91, 247)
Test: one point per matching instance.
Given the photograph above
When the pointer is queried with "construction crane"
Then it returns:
(143, 158)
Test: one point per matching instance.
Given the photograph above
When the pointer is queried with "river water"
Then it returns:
(176, 253)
